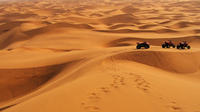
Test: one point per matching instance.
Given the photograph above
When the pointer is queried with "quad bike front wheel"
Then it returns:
(188, 47)
(146, 47)
(138, 47)
(163, 46)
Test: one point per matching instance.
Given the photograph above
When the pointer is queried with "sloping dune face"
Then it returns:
(24, 80)
(81, 56)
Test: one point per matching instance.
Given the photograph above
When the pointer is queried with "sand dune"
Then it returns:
(120, 26)
(55, 26)
(122, 18)
(125, 31)
(138, 31)
(156, 42)
(129, 9)
(165, 60)
(11, 37)
(147, 26)
(144, 85)
(81, 56)
(9, 26)
(165, 22)
(24, 80)
(98, 15)
(33, 25)
(14, 16)
(183, 24)
(166, 31)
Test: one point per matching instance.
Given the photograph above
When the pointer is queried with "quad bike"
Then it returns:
(183, 45)
(168, 44)
(142, 44)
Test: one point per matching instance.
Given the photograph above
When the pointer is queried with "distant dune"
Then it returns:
(55, 26)
(130, 9)
(184, 24)
(147, 26)
(11, 37)
(122, 18)
(138, 31)
(121, 25)
(9, 26)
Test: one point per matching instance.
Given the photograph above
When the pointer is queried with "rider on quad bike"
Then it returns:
(168, 44)
(183, 45)
(142, 44)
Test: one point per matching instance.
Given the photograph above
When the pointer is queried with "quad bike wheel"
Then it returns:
(188, 47)
(138, 47)
(146, 47)
(182, 47)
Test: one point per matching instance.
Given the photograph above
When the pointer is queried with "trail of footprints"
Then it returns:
(141, 83)
(91, 102)
(175, 107)
(172, 104)
(118, 81)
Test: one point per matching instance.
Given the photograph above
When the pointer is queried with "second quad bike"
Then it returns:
(183, 45)
(168, 44)
(142, 44)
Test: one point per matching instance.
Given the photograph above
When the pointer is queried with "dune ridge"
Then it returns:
(155, 41)
(164, 60)
(25, 80)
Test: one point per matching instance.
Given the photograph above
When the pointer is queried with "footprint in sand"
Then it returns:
(91, 108)
(94, 97)
(171, 104)
(118, 81)
(141, 83)
(90, 105)
(105, 89)
(175, 107)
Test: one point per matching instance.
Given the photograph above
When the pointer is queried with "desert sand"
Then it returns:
(81, 56)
